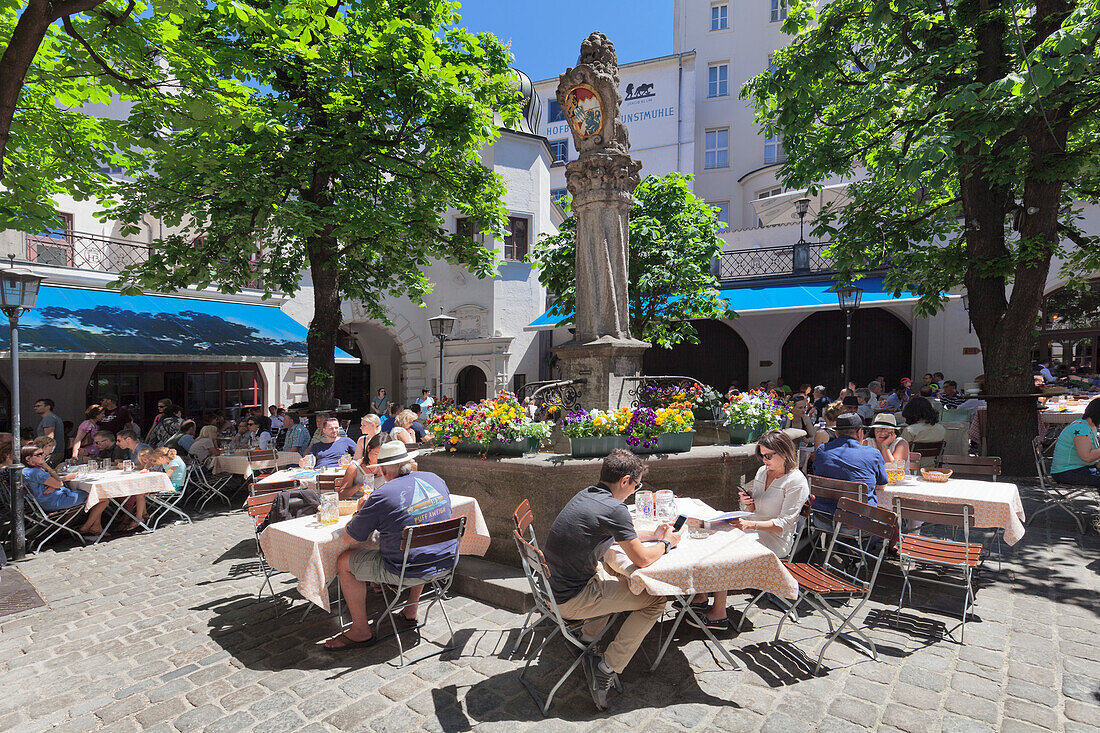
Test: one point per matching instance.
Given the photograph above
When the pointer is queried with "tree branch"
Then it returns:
(130, 80)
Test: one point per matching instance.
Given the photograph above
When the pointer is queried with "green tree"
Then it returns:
(366, 125)
(59, 59)
(673, 239)
(975, 124)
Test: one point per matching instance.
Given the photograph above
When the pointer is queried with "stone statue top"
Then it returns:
(589, 96)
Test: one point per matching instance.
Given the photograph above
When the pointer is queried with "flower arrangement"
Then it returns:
(756, 410)
(500, 419)
(641, 426)
(695, 396)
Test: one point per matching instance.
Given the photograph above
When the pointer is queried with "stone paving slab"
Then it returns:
(163, 632)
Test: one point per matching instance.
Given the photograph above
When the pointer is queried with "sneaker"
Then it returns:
(599, 682)
(722, 624)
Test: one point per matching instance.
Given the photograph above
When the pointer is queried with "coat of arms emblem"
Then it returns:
(584, 111)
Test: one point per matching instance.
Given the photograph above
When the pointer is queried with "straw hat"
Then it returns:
(886, 420)
(395, 452)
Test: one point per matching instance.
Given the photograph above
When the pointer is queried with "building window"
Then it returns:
(558, 194)
(554, 113)
(718, 80)
(773, 150)
(717, 151)
(561, 150)
(518, 381)
(767, 194)
(719, 17)
(53, 246)
(779, 10)
(515, 242)
(466, 227)
(722, 212)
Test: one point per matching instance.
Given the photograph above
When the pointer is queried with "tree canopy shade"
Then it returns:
(60, 59)
(673, 238)
(970, 130)
(365, 126)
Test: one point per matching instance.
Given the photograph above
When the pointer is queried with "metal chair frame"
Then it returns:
(436, 586)
(263, 462)
(984, 467)
(38, 520)
(1057, 495)
(523, 519)
(209, 486)
(258, 504)
(915, 550)
(834, 583)
(835, 489)
(538, 576)
(807, 508)
(166, 502)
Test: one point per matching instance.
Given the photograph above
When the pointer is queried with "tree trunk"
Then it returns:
(321, 341)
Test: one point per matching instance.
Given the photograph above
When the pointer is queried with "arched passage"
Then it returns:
(814, 351)
(380, 361)
(719, 358)
(471, 385)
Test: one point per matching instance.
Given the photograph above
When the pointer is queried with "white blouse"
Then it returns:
(781, 503)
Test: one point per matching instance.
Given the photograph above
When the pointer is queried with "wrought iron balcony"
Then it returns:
(774, 262)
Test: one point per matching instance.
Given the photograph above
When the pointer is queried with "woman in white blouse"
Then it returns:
(778, 493)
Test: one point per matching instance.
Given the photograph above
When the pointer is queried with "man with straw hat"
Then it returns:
(408, 497)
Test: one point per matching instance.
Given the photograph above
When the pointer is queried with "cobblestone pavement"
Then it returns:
(163, 632)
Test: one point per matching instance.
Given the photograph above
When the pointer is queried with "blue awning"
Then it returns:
(80, 323)
(777, 298)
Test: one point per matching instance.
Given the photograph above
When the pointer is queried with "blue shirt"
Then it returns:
(328, 454)
(297, 438)
(179, 475)
(388, 423)
(186, 441)
(844, 458)
(418, 498)
(893, 402)
(63, 498)
(138, 449)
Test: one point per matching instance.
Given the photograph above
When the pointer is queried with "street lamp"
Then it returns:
(442, 325)
(966, 307)
(848, 296)
(801, 249)
(18, 291)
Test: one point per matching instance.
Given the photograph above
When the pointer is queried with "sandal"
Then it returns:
(350, 643)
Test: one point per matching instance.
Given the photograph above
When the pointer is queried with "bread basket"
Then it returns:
(937, 476)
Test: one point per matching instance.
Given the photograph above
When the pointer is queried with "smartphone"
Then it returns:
(679, 523)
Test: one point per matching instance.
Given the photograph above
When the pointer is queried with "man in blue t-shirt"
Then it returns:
(408, 497)
(846, 458)
(331, 446)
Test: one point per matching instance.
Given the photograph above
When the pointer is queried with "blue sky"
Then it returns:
(545, 37)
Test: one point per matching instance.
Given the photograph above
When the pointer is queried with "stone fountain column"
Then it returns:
(601, 181)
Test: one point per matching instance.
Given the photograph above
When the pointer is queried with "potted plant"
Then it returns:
(496, 426)
(595, 433)
(750, 414)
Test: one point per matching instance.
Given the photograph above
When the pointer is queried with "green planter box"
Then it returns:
(595, 447)
(741, 434)
(496, 448)
(669, 443)
(702, 414)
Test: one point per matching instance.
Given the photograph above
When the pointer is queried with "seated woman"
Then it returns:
(370, 424)
(205, 445)
(800, 418)
(1078, 449)
(171, 464)
(51, 493)
(827, 433)
(779, 491)
(243, 439)
(363, 475)
(892, 446)
(923, 426)
(84, 442)
(401, 429)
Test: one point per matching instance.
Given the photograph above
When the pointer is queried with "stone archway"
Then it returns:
(472, 385)
(814, 350)
(720, 357)
(406, 374)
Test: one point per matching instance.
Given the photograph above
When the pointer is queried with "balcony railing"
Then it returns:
(92, 252)
(772, 262)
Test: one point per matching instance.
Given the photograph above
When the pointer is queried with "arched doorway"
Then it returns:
(720, 357)
(470, 385)
(881, 344)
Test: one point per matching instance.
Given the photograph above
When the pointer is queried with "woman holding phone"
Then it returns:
(778, 493)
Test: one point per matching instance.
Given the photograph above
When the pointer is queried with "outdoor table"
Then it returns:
(1063, 414)
(996, 503)
(308, 550)
(115, 485)
(239, 465)
(723, 561)
(307, 477)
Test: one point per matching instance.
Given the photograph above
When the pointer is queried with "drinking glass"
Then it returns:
(643, 502)
(345, 460)
(309, 461)
(665, 506)
(127, 466)
(329, 509)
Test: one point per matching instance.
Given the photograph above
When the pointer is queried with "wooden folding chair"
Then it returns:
(820, 523)
(806, 511)
(975, 466)
(538, 576)
(327, 482)
(929, 450)
(263, 462)
(258, 506)
(523, 519)
(915, 550)
(274, 487)
(820, 585)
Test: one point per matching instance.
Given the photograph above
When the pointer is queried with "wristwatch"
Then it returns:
(668, 545)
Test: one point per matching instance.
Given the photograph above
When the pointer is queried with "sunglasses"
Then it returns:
(767, 456)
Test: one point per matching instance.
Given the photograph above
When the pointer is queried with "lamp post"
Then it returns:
(966, 307)
(801, 249)
(848, 296)
(18, 291)
(442, 325)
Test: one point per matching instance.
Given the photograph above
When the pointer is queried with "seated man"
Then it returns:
(128, 439)
(416, 427)
(592, 520)
(391, 417)
(105, 443)
(331, 446)
(297, 437)
(408, 497)
(846, 458)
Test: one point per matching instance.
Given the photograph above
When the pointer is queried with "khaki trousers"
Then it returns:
(610, 593)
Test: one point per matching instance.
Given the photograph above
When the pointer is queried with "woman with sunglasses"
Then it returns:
(779, 491)
(51, 493)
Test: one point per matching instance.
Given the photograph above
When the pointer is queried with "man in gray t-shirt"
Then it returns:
(581, 534)
(52, 427)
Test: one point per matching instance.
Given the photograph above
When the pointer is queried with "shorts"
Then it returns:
(367, 566)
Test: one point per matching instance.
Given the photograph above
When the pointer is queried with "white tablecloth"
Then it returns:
(115, 484)
(996, 504)
(238, 464)
(308, 550)
(1056, 416)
